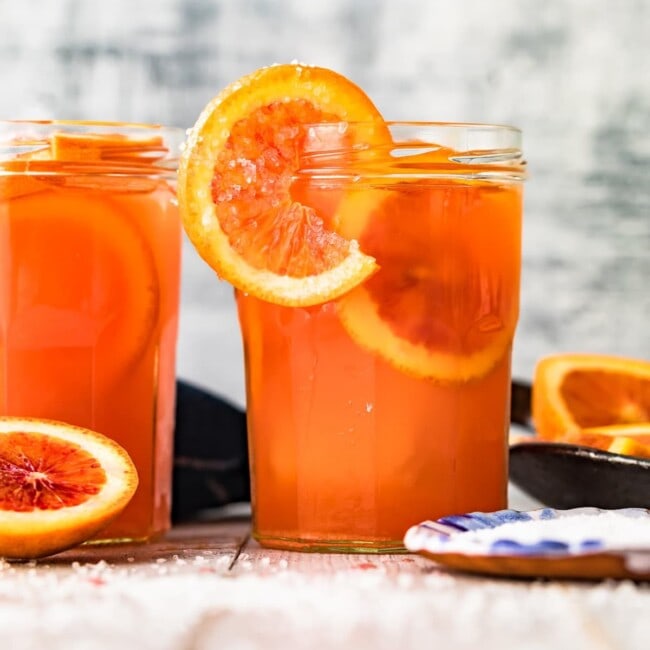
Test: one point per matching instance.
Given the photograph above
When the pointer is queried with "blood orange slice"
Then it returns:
(444, 302)
(582, 391)
(235, 185)
(93, 147)
(71, 318)
(59, 485)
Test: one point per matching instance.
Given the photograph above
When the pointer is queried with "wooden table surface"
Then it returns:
(210, 586)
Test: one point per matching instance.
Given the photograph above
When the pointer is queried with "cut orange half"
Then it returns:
(235, 183)
(59, 486)
(582, 391)
(625, 439)
(444, 302)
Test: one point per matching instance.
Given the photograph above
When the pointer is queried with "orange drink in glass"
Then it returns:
(376, 267)
(390, 405)
(89, 291)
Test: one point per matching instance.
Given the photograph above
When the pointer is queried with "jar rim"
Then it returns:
(460, 136)
(76, 125)
(412, 150)
(21, 139)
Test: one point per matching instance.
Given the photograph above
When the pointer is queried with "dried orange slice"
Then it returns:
(235, 183)
(59, 485)
(581, 391)
(444, 303)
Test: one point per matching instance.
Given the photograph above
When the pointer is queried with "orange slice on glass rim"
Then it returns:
(235, 182)
(59, 486)
(572, 392)
(443, 305)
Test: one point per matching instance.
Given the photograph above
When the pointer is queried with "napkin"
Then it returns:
(210, 453)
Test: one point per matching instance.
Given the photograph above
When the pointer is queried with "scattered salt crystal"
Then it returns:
(405, 580)
(369, 407)
(611, 528)
(638, 562)
(283, 564)
(265, 561)
(161, 560)
(599, 529)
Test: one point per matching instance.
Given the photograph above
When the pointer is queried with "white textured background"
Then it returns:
(573, 74)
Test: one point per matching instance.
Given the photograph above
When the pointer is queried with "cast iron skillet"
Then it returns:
(571, 476)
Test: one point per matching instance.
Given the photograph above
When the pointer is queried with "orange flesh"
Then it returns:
(89, 148)
(345, 446)
(599, 398)
(430, 263)
(251, 191)
(88, 317)
(39, 472)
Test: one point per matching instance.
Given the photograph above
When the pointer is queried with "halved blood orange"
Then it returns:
(582, 391)
(444, 302)
(625, 439)
(235, 185)
(59, 485)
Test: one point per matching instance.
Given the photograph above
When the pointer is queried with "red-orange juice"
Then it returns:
(89, 292)
(390, 405)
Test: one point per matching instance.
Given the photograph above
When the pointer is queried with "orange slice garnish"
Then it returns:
(235, 185)
(81, 288)
(444, 303)
(59, 485)
(14, 182)
(35, 170)
(582, 391)
(92, 147)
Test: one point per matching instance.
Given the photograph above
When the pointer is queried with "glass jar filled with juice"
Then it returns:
(89, 291)
(376, 267)
(390, 404)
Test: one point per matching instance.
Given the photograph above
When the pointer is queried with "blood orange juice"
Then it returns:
(389, 405)
(89, 284)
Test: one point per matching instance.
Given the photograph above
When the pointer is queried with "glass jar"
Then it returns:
(89, 291)
(390, 405)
